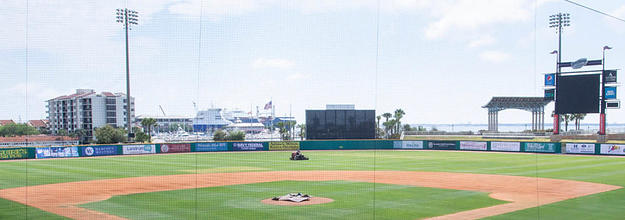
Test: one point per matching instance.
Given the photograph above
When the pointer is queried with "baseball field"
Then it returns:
(357, 184)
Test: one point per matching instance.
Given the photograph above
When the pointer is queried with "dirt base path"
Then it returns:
(522, 192)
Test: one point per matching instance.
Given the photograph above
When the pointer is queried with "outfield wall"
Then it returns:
(137, 149)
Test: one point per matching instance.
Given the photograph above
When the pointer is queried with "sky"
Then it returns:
(439, 61)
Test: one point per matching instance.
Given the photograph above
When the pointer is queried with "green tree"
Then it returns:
(44, 130)
(386, 124)
(407, 127)
(282, 129)
(147, 124)
(399, 114)
(219, 135)
(567, 118)
(377, 127)
(578, 119)
(11, 130)
(387, 116)
(235, 136)
(110, 135)
(62, 132)
(141, 137)
(81, 134)
(302, 131)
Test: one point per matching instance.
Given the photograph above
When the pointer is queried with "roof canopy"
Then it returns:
(522, 103)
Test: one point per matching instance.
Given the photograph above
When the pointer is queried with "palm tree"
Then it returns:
(387, 116)
(567, 119)
(578, 118)
(386, 124)
(302, 131)
(399, 114)
(378, 125)
(147, 124)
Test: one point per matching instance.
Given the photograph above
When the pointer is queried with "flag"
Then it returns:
(268, 105)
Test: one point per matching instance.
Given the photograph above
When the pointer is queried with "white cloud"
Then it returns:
(482, 41)
(298, 76)
(619, 12)
(272, 63)
(474, 14)
(214, 9)
(494, 56)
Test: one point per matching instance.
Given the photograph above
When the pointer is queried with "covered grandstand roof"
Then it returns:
(523, 103)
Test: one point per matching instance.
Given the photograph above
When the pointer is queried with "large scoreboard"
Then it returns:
(578, 94)
(340, 124)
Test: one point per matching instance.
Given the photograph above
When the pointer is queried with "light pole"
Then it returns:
(602, 119)
(127, 17)
(558, 21)
(556, 117)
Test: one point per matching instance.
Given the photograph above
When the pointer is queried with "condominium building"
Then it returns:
(88, 110)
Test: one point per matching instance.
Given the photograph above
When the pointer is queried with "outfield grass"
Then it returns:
(599, 169)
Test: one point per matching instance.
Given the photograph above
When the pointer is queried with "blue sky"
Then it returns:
(439, 61)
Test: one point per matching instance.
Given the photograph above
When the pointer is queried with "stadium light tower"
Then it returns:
(558, 21)
(128, 18)
(602, 118)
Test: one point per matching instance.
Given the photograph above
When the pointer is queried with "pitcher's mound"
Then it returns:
(311, 201)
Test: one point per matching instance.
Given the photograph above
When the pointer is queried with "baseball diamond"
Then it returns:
(403, 183)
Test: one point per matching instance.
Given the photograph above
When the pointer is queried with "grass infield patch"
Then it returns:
(352, 200)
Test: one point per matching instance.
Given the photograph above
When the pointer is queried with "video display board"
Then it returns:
(340, 124)
(577, 94)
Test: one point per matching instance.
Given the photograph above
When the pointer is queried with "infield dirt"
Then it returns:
(521, 192)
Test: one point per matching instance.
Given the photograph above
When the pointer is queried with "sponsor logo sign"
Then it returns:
(540, 147)
(550, 79)
(442, 145)
(610, 76)
(20, 153)
(473, 145)
(139, 149)
(56, 152)
(610, 92)
(247, 146)
(206, 147)
(579, 63)
(550, 93)
(580, 148)
(175, 148)
(99, 150)
(615, 149)
(505, 146)
(284, 145)
(408, 144)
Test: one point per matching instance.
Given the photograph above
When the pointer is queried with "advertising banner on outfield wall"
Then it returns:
(13, 153)
(578, 148)
(207, 147)
(56, 152)
(139, 149)
(473, 145)
(284, 145)
(90, 151)
(505, 146)
(614, 149)
(408, 144)
(541, 147)
(442, 145)
(175, 148)
(247, 146)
